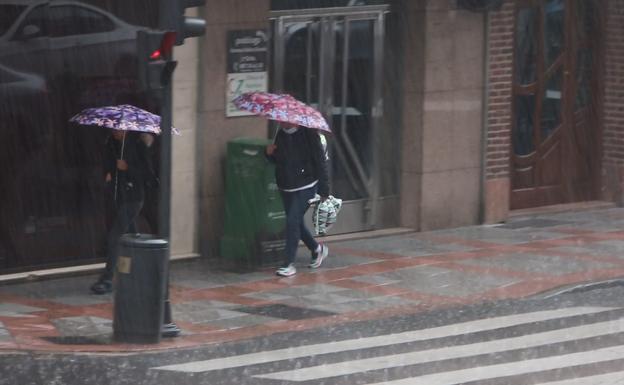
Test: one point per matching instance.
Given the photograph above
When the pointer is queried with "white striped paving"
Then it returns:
(452, 352)
(600, 379)
(379, 341)
(513, 368)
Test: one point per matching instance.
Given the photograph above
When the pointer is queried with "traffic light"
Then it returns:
(172, 19)
(154, 53)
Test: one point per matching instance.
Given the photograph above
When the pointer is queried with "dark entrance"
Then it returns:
(556, 138)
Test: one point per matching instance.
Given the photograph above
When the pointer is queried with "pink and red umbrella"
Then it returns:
(282, 108)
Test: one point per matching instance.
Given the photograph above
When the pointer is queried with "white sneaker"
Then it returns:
(286, 271)
(319, 257)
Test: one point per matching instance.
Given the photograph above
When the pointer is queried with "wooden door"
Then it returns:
(555, 138)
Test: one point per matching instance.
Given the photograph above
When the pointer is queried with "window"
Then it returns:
(553, 31)
(73, 20)
(526, 46)
(92, 22)
(37, 18)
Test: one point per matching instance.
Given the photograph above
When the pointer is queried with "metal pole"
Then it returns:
(164, 203)
(166, 12)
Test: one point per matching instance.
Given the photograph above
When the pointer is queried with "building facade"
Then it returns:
(477, 114)
(444, 114)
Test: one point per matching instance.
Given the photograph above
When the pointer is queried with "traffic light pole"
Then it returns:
(166, 122)
(164, 201)
(171, 18)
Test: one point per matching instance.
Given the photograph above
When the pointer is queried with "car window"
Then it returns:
(8, 14)
(73, 20)
(36, 17)
(92, 22)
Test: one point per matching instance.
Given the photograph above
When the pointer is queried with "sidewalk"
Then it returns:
(362, 279)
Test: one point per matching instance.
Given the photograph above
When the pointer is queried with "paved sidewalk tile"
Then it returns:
(536, 263)
(362, 279)
(8, 309)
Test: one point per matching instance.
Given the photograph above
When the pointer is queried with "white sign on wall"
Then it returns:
(246, 61)
(238, 84)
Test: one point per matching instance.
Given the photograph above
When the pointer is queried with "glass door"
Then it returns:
(332, 60)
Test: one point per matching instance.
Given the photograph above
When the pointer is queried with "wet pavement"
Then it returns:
(362, 280)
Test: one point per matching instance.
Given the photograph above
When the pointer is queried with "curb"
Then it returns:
(579, 288)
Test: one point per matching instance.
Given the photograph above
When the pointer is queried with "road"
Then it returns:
(568, 339)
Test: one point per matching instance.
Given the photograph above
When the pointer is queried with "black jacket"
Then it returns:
(300, 160)
(131, 183)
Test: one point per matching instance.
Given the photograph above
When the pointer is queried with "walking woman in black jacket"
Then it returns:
(301, 173)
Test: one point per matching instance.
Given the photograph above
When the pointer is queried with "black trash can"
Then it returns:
(140, 286)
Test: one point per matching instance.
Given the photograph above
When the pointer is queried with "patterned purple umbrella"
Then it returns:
(123, 117)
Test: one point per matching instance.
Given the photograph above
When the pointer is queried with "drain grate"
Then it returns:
(284, 312)
(534, 222)
(79, 340)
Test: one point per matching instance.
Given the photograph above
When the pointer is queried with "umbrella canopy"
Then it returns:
(124, 117)
(282, 108)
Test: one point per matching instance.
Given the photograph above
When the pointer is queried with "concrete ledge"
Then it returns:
(577, 206)
(37, 275)
(366, 234)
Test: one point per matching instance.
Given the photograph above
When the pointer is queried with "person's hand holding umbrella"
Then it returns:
(122, 165)
(270, 149)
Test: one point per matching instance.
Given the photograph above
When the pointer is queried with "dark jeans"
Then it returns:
(126, 214)
(296, 205)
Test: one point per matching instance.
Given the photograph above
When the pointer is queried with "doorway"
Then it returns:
(555, 138)
(333, 59)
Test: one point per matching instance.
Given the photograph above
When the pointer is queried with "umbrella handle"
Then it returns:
(276, 132)
(123, 144)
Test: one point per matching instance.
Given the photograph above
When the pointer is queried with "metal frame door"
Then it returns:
(327, 63)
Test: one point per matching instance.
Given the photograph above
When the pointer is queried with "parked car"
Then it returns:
(57, 39)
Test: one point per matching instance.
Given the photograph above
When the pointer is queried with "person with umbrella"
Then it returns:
(300, 172)
(127, 170)
(300, 167)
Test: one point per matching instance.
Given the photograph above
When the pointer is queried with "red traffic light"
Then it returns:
(166, 47)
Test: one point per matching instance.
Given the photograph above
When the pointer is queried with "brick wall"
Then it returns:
(613, 102)
(500, 70)
(499, 103)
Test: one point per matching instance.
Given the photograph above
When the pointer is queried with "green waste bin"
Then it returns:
(255, 221)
